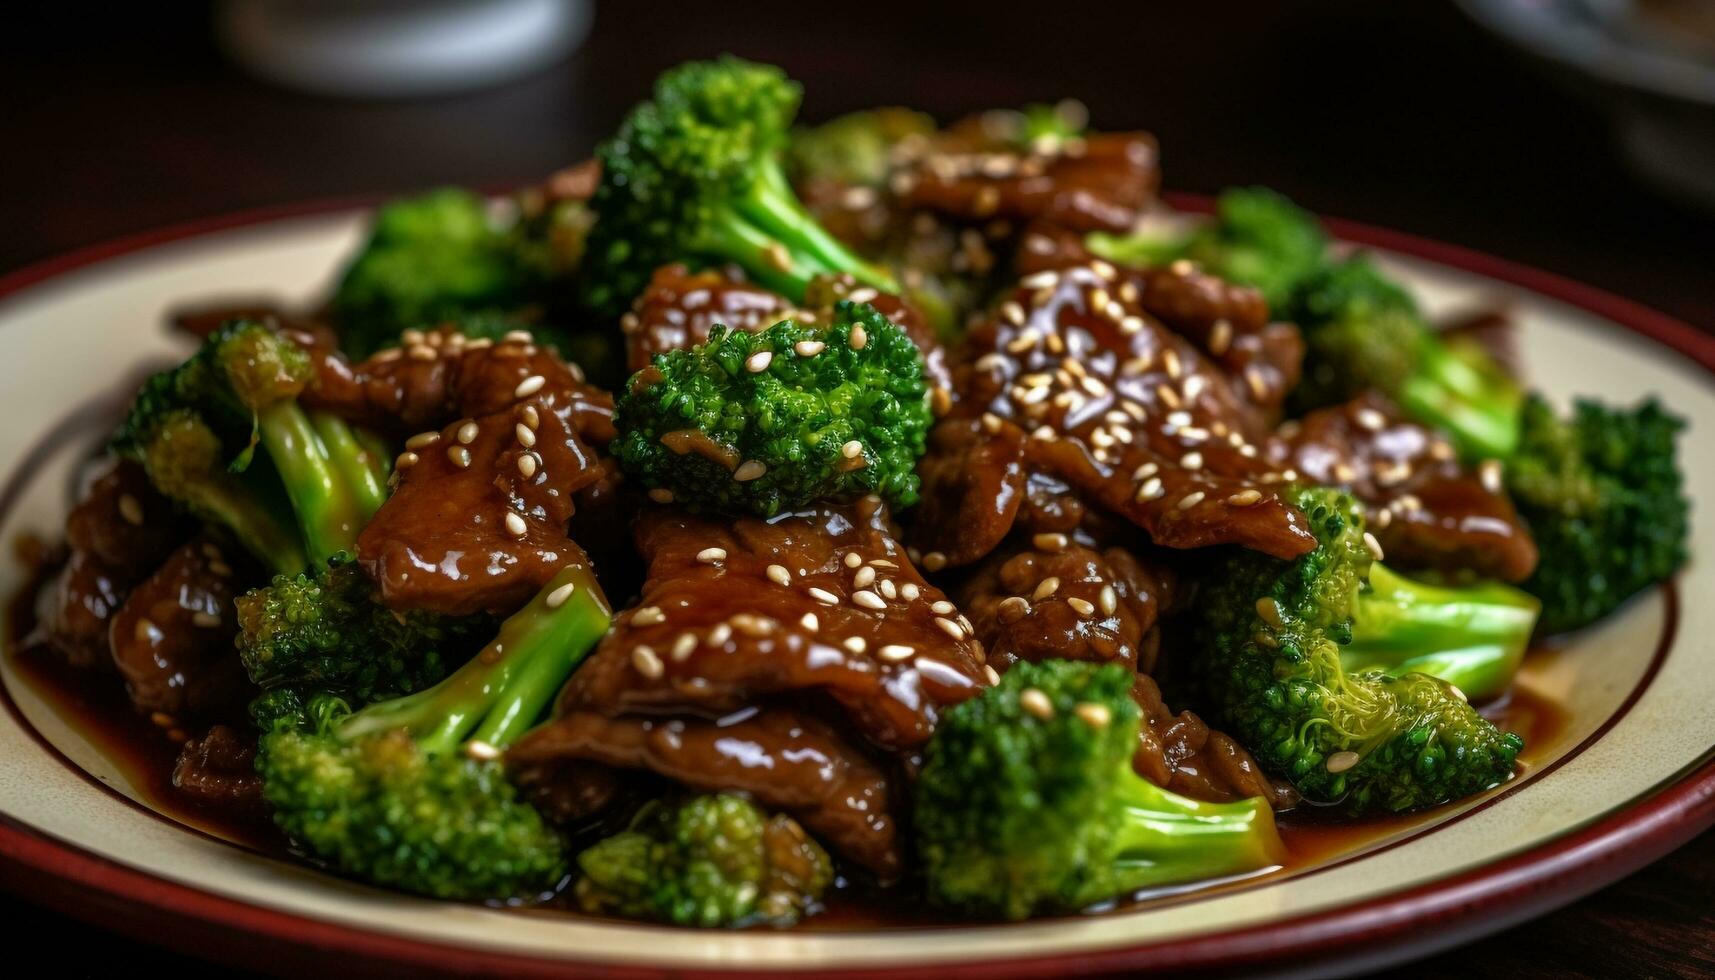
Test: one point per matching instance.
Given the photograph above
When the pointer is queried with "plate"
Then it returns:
(1623, 775)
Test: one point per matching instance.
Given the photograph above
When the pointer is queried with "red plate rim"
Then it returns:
(1428, 917)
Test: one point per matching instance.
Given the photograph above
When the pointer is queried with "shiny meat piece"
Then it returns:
(1103, 181)
(219, 769)
(1128, 413)
(1181, 753)
(974, 473)
(787, 760)
(173, 639)
(738, 611)
(438, 376)
(477, 521)
(118, 532)
(1424, 506)
(678, 308)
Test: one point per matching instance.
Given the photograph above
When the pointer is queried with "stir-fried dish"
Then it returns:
(756, 512)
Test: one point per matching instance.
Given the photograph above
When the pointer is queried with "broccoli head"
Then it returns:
(708, 861)
(1269, 633)
(764, 422)
(1604, 498)
(1028, 802)
(857, 148)
(695, 175)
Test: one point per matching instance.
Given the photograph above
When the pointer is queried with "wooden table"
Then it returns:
(1398, 114)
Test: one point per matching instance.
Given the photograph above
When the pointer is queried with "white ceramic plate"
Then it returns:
(1621, 778)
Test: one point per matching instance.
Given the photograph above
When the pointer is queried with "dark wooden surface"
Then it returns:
(1398, 114)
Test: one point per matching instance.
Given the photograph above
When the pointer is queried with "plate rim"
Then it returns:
(1461, 907)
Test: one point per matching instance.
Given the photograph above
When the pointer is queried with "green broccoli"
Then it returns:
(1028, 802)
(409, 793)
(708, 861)
(1044, 126)
(328, 632)
(695, 175)
(1268, 636)
(855, 149)
(1603, 496)
(764, 422)
(1471, 636)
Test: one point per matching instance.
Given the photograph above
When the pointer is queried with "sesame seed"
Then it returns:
(1145, 471)
(1012, 313)
(860, 337)
(1109, 600)
(779, 575)
(412, 336)
(810, 622)
(146, 631)
(1383, 518)
(752, 625)
(719, 635)
(809, 348)
(990, 675)
(1054, 541)
(527, 465)
(459, 456)
(1220, 337)
(405, 460)
(1269, 610)
(1369, 418)
(648, 616)
(778, 256)
(467, 432)
(1191, 500)
(1032, 699)
(895, 652)
(526, 435)
(558, 597)
(942, 607)
(515, 525)
(647, 663)
(1490, 475)
(420, 352)
(529, 386)
(1168, 396)
(206, 620)
(481, 751)
(422, 439)
(220, 568)
(852, 449)
(1082, 607)
(1023, 342)
(1150, 490)
(759, 361)
(950, 628)
(517, 337)
(661, 495)
(824, 596)
(683, 647)
(1257, 383)
(864, 577)
(1093, 714)
(1170, 363)
(749, 470)
(910, 591)
(1045, 588)
(131, 509)
(711, 555)
(1341, 761)
(854, 644)
(1373, 545)
(934, 561)
(1192, 460)
(1013, 608)
(868, 599)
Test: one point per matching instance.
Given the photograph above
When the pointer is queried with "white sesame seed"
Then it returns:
(422, 439)
(934, 561)
(810, 622)
(1145, 471)
(950, 628)
(1342, 761)
(405, 460)
(1191, 500)
(1109, 600)
(1245, 498)
(527, 465)
(759, 361)
(529, 386)
(1150, 490)
(420, 352)
(854, 644)
(1032, 699)
(1013, 608)
(147, 632)
(721, 633)
(648, 616)
(1093, 714)
(526, 435)
(1045, 588)
(558, 597)
(1192, 460)
(683, 646)
(481, 751)
(1490, 475)
(711, 555)
(459, 456)
(1373, 545)
(1369, 418)
(467, 432)
(990, 675)
(942, 607)
(852, 449)
(809, 348)
(779, 575)
(517, 337)
(852, 559)
(1269, 610)
(860, 337)
(515, 525)
(749, 470)
(868, 599)
(661, 495)
(131, 509)
(895, 652)
(647, 663)
(1082, 607)
(824, 596)
(888, 589)
(206, 620)
(909, 591)
(864, 578)
(1049, 541)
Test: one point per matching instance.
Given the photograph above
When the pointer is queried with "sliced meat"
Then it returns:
(172, 640)
(219, 770)
(1103, 181)
(820, 603)
(1181, 753)
(679, 307)
(974, 472)
(1424, 506)
(787, 760)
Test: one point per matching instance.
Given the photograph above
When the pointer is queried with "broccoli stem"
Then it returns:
(1165, 838)
(503, 689)
(326, 510)
(359, 458)
(1461, 391)
(234, 502)
(770, 219)
(1472, 637)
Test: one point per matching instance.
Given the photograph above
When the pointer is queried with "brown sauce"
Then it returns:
(98, 708)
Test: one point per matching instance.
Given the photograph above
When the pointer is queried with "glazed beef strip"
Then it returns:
(1424, 506)
(219, 769)
(117, 533)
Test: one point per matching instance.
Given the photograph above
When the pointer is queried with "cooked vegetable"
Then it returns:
(764, 422)
(855, 148)
(707, 861)
(409, 792)
(1028, 802)
(1604, 498)
(1268, 635)
(695, 175)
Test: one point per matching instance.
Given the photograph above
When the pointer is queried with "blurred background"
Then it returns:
(1573, 135)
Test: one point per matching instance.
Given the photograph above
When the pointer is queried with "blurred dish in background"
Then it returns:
(1649, 63)
(398, 48)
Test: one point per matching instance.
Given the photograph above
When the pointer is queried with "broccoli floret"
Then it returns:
(695, 175)
(1472, 636)
(428, 258)
(327, 632)
(1028, 802)
(242, 385)
(1044, 126)
(708, 861)
(1257, 237)
(855, 148)
(1604, 499)
(764, 422)
(1268, 636)
(409, 793)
